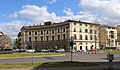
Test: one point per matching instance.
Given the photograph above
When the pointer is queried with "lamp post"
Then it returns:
(71, 45)
(95, 39)
(32, 51)
(32, 48)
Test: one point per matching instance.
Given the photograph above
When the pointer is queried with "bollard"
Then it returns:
(110, 58)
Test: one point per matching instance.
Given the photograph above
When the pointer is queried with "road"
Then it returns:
(96, 58)
(76, 57)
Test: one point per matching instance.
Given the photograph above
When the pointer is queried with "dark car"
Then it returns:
(6, 51)
(51, 50)
(38, 50)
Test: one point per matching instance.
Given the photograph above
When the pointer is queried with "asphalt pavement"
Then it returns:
(100, 58)
(62, 68)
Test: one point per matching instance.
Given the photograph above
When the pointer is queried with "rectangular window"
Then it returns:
(41, 32)
(53, 38)
(86, 37)
(47, 38)
(30, 39)
(75, 37)
(35, 38)
(91, 37)
(52, 31)
(80, 37)
(86, 47)
(29, 33)
(63, 29)
(41, 38)
(86, 30)
(46, 32)
(95, 37)
(90, 31)
(35, 33)
(64, 37)
(58, 37)
(58, 30)
(80, 47)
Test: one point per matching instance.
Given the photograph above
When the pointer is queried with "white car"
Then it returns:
(30, 50)
(60, 50)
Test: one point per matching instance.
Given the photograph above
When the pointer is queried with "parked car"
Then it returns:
(30, 50)
(92, 51)
(60, 50)
(6, 51)
(51, 50)
(38, 50)
(44, 50)
(19, 50)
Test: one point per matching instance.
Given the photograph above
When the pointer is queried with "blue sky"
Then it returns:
(9, 6)
(17, 13)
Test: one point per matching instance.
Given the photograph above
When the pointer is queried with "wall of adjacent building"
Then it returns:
(77, 29)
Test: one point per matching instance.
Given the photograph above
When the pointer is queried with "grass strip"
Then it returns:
(21, 55)
(45, 64)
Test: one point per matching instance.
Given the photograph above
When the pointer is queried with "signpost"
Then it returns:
(71, 45)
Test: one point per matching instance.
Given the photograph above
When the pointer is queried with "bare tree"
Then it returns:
(102, 37)
(5, 42)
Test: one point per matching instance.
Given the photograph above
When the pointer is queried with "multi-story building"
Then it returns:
(58, 35)
(108, 37)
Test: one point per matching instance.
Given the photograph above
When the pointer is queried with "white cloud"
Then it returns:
(12, 28)
(38, 14)
(107, 11)
(91, 5)
(14, 15)
(68, 12)
(103, 8)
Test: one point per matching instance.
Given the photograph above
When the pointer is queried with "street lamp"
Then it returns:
(32, 51)
(95, 38)
(71, 45)
(32, 47)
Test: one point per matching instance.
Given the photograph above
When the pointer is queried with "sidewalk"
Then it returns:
(63, 68)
